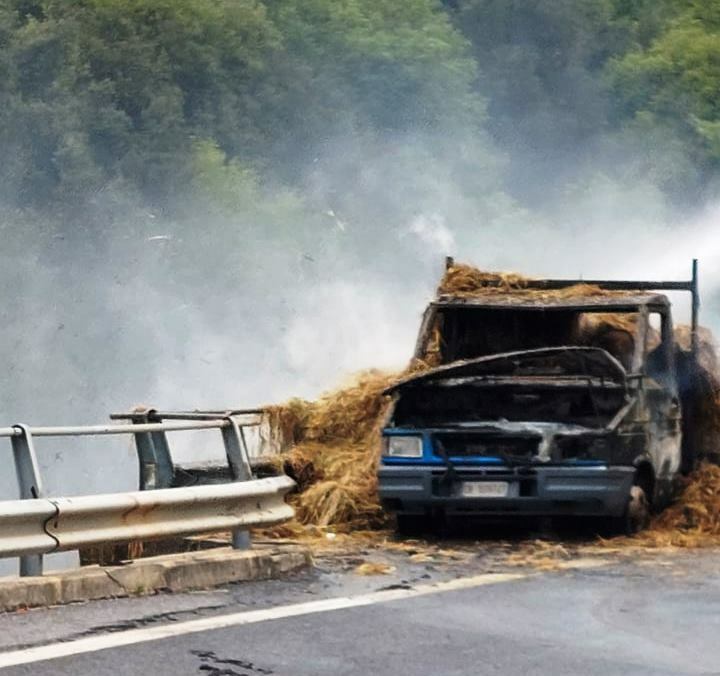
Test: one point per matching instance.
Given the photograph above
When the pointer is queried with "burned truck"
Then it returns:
(560, 398)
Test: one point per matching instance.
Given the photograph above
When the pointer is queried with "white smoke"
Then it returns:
(432, 231)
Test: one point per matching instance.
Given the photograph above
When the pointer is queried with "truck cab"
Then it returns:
(541, 405)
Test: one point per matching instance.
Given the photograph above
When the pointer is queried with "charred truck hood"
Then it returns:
(552, 363)
(543, 406)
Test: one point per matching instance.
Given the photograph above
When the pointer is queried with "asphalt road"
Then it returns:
(656, 615)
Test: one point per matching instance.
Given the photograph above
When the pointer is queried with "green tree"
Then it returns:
(366, 69)
(538, 61)
(673, 83)
(101, 91)
(108, 89)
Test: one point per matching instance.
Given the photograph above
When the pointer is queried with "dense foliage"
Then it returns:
(101, 92)
(156, 98)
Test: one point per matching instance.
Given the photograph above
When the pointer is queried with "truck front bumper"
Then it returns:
(539, 491)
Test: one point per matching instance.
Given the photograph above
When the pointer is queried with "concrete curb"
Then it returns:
(177, 572)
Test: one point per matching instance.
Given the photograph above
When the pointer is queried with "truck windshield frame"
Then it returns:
(471, 330)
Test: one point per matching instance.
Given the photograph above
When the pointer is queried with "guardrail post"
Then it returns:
(155, 461)
(166, 468)
(30, 485)
(239, 463)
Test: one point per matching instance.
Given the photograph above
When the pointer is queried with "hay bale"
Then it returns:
(465, 281)
(693, 520)
(432, 350)
(336, 452)
(285, 423)
(699, 387)
(299, 465)
(614, 333)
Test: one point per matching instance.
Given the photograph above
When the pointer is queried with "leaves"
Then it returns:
(108, 92)
(108, 89)
(675, 78)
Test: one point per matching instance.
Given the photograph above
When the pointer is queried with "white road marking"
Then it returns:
(132, 636)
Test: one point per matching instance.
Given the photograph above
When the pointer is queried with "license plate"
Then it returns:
(483, 489)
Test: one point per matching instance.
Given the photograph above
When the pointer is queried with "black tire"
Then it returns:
(411, 524)
(636, 516)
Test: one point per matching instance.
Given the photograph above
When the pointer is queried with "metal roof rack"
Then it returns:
(690, 285)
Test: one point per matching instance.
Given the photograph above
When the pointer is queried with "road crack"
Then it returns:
(212, 665)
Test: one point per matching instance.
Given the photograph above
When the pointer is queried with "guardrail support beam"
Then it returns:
(30, 487)
(241, 539)
(239, 462)
(236, 450)
(154, 459)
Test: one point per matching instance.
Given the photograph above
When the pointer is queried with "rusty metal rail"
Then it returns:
(94, 430)
(206, 423)
(692, 285)
(163, 507)
(47, 525)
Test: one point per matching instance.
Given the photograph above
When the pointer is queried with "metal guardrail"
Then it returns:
(47, 525)
(36, 525)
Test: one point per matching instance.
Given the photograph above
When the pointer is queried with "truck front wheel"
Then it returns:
(637, 513)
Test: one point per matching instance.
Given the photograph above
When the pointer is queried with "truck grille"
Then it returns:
(485, 445)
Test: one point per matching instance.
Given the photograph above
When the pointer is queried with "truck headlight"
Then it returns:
(403, 447)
